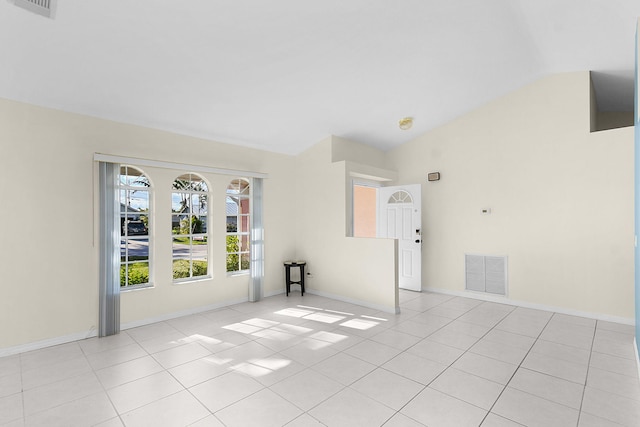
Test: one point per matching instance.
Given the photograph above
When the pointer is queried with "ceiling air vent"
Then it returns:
(41, 7)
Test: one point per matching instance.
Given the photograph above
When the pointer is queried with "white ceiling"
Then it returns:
(281, 75)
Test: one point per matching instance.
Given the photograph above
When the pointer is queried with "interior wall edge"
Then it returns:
(635, 348)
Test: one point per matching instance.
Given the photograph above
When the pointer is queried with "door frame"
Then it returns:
(415, 190)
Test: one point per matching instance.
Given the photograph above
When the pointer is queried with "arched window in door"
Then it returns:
(400, 196)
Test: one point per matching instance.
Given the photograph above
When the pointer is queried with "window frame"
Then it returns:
(123, 232)
(189, 193)
(245, 196)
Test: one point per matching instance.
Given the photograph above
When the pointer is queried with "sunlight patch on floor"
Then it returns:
(360, 324)
(324, 317)
(294, 312)
(329, 337)
(260, 367)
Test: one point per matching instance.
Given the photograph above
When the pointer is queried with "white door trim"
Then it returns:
(407, 228)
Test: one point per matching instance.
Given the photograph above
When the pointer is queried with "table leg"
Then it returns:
(288, 278)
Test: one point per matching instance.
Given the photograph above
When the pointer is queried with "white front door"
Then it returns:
(400, 218)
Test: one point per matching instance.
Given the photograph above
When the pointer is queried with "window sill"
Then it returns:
(192, 280)
(137, 287)
(237, 273)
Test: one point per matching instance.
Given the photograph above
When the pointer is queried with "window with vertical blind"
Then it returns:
(127, 236)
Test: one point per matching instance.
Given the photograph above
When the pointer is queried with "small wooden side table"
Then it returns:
(287, 272)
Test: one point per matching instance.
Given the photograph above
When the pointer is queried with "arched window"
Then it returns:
(189, 217)
(400, 196)
(238, 226)
(134, 190)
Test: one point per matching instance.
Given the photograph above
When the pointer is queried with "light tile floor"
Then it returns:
(313, 361)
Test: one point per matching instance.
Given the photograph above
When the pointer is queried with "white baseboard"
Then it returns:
(182, 313)
(273, 293)
(37, 345)
(504, 300)
(367, 304)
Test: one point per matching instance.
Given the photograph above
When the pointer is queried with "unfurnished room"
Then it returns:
(320, 213)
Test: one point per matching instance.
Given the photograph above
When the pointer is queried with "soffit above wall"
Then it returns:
(614, 90)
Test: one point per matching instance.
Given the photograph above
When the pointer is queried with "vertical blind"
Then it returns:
(109, 282)
(257, 242)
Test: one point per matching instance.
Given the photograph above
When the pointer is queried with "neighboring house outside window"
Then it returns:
(238, 226)
(189, 217)
(134, 191)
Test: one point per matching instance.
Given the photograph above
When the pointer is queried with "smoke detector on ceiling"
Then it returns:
(41, 7)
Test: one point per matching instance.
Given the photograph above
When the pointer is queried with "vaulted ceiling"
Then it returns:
(281, 75)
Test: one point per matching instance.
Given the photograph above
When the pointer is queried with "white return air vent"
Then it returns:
(484, 273)
(41, 7)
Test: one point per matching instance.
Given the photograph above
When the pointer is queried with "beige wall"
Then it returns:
(352, 269)
(345, 150)
(561, 198)
(49, 221)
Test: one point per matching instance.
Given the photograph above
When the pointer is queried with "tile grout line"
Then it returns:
(24, 411)
(427, 385)
(454, 361)
(106, 392)
(516, 370)
(405, 350)
(586, 378)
